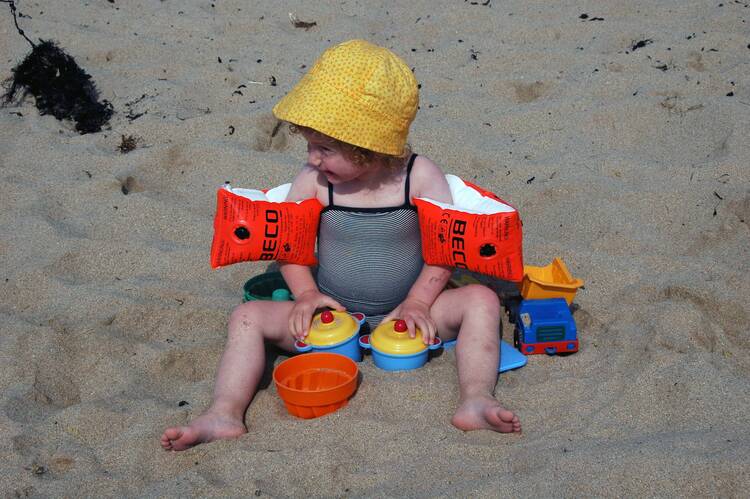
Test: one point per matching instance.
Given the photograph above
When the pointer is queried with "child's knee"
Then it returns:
(260, 318)
(245, 315)
(479, 296)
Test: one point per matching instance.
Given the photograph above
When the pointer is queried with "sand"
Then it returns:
(630, 161)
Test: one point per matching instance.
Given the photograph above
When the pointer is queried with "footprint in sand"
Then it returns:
(682, 325)
(740, 208)
(529, 92)
(128, 185)
(155, 174)
(270, 134)
(695, 61)
(690, 321)
(733, 216)
(186, 365)
(52, 389)
(60, 216)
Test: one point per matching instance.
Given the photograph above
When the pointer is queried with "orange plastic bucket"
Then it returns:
(317, 383)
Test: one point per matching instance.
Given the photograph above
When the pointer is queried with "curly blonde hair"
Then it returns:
(357, 155)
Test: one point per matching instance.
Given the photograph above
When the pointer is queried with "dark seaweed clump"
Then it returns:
(61, 88)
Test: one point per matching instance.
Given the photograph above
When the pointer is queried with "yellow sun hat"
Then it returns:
(358, 93)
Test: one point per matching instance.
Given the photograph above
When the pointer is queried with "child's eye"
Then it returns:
(326, 151)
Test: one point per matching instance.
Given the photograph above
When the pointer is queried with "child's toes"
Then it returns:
(169, 436)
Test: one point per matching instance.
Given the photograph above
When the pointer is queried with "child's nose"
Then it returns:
(313, 157)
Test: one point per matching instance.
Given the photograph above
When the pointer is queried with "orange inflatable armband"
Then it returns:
(254, 225)
(478, 232)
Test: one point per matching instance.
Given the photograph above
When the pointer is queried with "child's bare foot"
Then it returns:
(205, 428)
(485, 413)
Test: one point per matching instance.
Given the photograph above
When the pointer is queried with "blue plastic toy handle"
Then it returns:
(437, 343)
(302, 346)
(364, 341)
(359, 317)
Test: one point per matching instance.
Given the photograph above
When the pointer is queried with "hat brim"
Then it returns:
(314, 103)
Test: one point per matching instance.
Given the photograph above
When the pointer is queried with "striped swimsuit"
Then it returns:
(369, 257)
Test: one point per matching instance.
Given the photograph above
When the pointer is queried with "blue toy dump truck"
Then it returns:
(545, 326)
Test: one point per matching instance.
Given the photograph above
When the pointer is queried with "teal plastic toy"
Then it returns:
(268, 286)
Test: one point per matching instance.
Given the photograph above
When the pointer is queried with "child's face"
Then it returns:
(324, 156)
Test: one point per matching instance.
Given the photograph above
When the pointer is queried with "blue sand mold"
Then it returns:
(510, 358)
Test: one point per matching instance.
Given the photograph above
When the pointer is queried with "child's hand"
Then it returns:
(304, 308)
(416, 314)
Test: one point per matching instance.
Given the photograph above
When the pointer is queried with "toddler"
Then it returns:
(354, 108)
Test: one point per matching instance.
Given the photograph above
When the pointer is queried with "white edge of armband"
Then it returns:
(275, 195)
(469, 200)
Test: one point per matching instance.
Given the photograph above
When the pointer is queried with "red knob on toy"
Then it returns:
(326, 317)
(400, 326)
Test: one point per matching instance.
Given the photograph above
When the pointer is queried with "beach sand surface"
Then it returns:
(628, 160)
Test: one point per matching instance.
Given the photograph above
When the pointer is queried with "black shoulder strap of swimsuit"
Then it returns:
(408, 174)
(406, 184)
(330, 195)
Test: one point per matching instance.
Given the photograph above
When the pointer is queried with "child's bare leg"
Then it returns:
(238, 375)
(473, 313)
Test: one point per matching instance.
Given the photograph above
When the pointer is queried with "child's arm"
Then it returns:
(299, 278)
(415, 309)
(427, 180)
(304, 185)
(307, 298)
